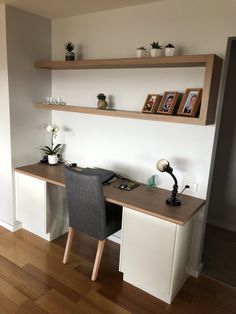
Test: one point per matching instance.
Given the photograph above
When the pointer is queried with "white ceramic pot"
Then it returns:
(169, 52)
(140, 53)
(155, 52)
(52, 159)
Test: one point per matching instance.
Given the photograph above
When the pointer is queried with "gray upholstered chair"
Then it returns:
(88, 212)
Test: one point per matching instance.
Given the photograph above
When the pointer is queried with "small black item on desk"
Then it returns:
(44, 160)
(123, 186)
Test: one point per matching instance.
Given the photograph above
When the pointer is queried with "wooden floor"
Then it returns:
(34, 280)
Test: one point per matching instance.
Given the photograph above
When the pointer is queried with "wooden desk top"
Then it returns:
(151, 201)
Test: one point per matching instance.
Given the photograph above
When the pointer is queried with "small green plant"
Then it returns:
(170, 46)
(101, 96)
(155, 45)
(53, 130)
(69, 46)
(141, 48)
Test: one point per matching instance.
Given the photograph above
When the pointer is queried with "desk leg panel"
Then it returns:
(31, 204)
(147, 252)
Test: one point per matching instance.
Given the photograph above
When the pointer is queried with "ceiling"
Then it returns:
(53, 9)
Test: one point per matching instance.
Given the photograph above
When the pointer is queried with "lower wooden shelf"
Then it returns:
(123, 114)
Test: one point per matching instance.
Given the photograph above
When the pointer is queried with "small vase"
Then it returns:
(102, 104)
(70, 56)
(52, 159)
(140, 53)
(155, 52)
(169, 52)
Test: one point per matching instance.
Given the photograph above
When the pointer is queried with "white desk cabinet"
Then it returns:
(41, 207)
(155, 254)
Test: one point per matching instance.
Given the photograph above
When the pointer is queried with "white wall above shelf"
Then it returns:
(211, 62)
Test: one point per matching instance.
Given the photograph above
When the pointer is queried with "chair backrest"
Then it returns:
(85, 201)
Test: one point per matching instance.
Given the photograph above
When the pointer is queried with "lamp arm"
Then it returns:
(175, 180)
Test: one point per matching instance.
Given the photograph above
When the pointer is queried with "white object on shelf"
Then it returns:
(169, 51)
(156, 52)
(140, 53)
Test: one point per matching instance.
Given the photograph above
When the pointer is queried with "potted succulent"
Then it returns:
(141, 52)
(51, 151)
(102, 103)
(169, 50)
(70, 55)
(156, 49)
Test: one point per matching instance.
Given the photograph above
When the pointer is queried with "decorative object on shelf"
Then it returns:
(169, 50)
(141, 52)
(156, 49)
(102, 103)
(190, 103)
(151, 103)
(52, 152)
(163, 165)
(70, 55)
(54, 101)
(168, 103)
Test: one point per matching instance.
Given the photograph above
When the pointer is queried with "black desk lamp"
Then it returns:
(163, 165)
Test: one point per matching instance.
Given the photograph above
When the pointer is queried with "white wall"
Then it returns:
(6, 200)
(24, 38)
(28, 40)
(133, 146)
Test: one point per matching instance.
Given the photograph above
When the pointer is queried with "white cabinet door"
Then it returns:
(147, 252)
(31, 203)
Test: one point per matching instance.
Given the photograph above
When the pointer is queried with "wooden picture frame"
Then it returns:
(151, 103)
(190, 102)
(168, 102)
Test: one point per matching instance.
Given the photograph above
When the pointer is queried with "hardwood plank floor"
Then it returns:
(34, 280)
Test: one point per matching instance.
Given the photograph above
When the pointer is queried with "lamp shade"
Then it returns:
(162, 165)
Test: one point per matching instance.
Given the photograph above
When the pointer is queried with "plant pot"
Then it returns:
(155, 52)
(102, 104)
(169, 52)
(140, 53)
(52, 159)
(70, 56)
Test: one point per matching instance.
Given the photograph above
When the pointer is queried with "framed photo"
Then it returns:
(168, 102)
(190, 103)
(151, 103)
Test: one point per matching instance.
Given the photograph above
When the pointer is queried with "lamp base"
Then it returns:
(173, 201)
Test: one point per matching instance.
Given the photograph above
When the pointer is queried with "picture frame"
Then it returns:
(190, 102)
(151, 103)
(168, 102)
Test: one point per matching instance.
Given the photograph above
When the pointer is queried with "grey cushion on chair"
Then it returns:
(88, 211)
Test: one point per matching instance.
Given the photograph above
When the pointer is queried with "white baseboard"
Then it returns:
(196, 272)
(115, 239)
(17, 225)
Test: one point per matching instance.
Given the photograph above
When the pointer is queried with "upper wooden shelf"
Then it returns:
(210, 62)
(147, 62)
(121, 114)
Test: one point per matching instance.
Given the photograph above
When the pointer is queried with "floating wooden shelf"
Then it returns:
(121, 114)
(211, 62)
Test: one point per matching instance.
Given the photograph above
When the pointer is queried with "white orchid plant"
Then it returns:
(53, 130)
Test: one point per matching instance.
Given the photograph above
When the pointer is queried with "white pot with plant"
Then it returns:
(156, 49)
(70, 55)
(51, 151)
(141, 52)
(169, 50)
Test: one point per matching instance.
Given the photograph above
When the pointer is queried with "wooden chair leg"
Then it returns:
(98, 259)
(68, 245)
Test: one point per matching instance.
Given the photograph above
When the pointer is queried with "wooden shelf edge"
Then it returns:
(174, 61)
(123, 114)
